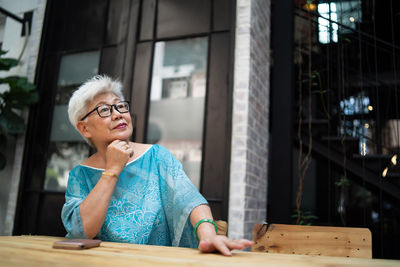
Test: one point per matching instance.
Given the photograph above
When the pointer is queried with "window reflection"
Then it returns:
(361, 126)
(177, 101)
(347, 13)
(63, 157)
(67, 147)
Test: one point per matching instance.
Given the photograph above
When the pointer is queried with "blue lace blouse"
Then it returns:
(151, 202)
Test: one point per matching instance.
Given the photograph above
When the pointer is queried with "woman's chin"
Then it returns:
(122, 137)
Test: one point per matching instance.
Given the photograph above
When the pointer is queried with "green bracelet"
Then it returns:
(200, 222)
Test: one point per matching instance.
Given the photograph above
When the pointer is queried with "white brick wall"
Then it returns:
(250, 120)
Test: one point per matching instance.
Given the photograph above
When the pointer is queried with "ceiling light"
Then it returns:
(385, 172)
(394, 160)
(310, 7)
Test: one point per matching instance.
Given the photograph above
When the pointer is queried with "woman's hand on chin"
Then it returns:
(223, 244)
(117, 155)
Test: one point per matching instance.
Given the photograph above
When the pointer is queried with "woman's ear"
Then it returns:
(83, 129)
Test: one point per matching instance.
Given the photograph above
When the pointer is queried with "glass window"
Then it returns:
(362, 128)
(327, 29)
(67, 147)
(177, 100)
(346, 13)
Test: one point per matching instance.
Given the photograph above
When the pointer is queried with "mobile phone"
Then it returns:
(77, 243)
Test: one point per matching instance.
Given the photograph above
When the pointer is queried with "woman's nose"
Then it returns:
(115, 114)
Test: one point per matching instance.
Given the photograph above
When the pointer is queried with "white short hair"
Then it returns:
(84, 95)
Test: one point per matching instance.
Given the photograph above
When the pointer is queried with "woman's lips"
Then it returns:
(121, 126)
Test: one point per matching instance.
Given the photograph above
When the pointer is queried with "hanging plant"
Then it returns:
(17, 93)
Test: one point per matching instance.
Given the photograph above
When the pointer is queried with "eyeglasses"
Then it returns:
(106, 110)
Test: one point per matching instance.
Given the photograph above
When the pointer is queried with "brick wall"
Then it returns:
(250, 120)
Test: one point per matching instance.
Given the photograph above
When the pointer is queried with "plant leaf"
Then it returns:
(7, 63)
(22, 93)
(21, 99)
(12, 122)
(18, 83)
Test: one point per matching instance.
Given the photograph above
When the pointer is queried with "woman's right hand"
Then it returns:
(117, 155)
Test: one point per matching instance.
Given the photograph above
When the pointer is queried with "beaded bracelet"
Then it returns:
(200, 222)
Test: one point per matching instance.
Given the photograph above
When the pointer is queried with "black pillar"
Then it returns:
(281, 142)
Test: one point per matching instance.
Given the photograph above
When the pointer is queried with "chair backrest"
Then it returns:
(222, 227)
(312, 240)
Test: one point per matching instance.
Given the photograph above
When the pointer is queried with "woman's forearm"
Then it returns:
(94, 208)
(204, 230)
(209, 240)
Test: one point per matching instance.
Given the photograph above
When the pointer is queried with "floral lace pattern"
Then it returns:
(151, 202)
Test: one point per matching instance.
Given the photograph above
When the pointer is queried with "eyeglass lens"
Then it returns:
(106, 110)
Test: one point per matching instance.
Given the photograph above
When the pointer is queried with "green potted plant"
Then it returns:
(16, 94)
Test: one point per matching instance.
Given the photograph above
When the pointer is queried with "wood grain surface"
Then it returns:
(37, 251)
(313, 240)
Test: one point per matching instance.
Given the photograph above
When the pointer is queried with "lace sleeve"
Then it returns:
(76, 192)
(179, 197)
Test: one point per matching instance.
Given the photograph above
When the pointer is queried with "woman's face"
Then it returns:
(105, 130)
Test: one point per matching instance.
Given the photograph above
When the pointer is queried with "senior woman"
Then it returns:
(127, 191)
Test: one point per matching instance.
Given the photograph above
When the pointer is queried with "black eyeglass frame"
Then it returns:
(111, 109)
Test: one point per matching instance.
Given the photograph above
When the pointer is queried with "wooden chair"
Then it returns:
(312, 240)
(222, 227)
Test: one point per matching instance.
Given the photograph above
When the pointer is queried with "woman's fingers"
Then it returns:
(214, 245)
(223, 244)
(243, 242)
(237, 244)
(117, 155)
(206, 246)
(123, 146)
(128, 148)
(246, 242)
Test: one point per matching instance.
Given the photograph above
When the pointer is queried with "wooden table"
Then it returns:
(38, 251)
